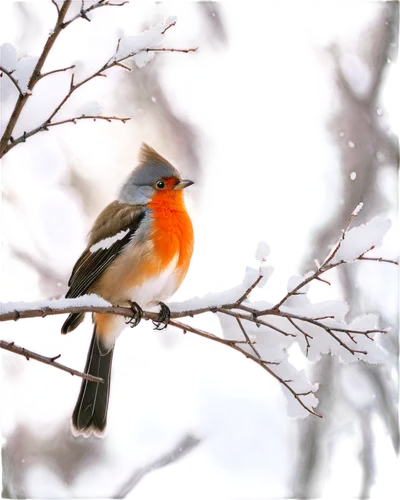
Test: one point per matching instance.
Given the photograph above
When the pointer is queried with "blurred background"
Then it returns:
(285, 119)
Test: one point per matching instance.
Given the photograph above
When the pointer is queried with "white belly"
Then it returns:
(158, 288)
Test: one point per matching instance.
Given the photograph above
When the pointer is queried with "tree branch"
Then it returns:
(8, 142)
(46, 125)
(4, 141)
(165, 49)
(328, 265)
(249, 290)
(83, 13)
(236, 309)
(43, 75)
(10, 346)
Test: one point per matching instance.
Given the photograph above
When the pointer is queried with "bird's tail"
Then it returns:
(90, 413)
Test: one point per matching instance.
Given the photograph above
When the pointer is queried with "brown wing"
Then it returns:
(116, 219)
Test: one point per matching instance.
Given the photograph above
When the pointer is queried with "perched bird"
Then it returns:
(138, 254)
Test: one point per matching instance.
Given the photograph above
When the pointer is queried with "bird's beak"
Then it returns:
(183, 184)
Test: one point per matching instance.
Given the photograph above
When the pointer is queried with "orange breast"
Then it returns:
(171, 230)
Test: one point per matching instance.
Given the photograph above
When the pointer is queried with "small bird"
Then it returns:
(138, 254)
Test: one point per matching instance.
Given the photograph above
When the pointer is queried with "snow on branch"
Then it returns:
(140, 48)
(264, 332)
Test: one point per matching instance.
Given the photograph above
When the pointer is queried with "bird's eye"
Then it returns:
(160, 184)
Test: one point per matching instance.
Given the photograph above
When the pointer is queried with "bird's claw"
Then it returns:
(137, 313)
(163, 317)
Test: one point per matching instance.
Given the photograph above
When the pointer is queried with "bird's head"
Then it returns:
(154, 179)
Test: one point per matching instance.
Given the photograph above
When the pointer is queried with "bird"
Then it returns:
(138, 253)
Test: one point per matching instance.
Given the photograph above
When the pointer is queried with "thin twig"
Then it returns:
(379, 259)
(124, 66)
(45, 126)
(254, 319)
(344, 231)
(249, 290)
(324, 327)
(168, 27)
(10, 346)
(305, 334)
(43, 75)
(327, 265)
(14, 80)
(56, 6)
(322, 268)
(320, 279)
(165, 49)
(248, 338)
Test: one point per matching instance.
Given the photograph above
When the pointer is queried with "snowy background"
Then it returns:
(283, 118)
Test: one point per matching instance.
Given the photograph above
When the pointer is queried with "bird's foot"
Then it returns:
(163, 317)
(137, 313)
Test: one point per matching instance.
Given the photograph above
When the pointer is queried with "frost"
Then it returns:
(8, 56)
(362, 238)
(143, 58)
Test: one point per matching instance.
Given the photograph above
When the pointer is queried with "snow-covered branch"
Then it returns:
(85, 13)
(332, 262)
(140, 49)
(33, 78)
(264, 332)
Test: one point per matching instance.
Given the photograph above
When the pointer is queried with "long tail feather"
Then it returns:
(90, 413)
